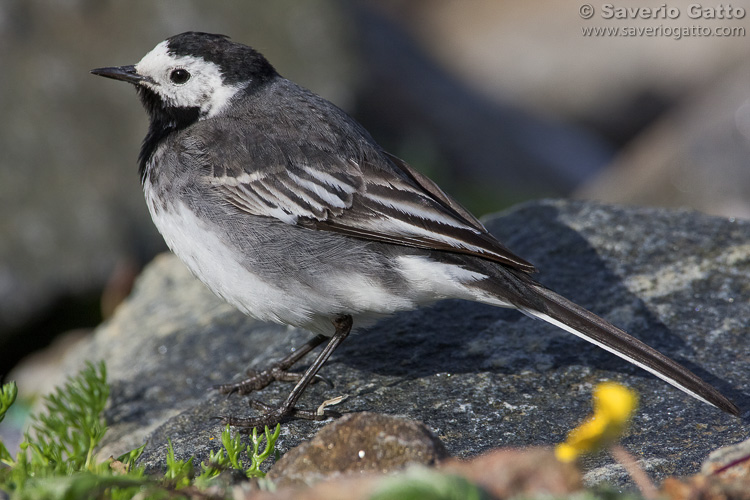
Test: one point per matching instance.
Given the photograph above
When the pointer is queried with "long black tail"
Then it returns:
(573, 318)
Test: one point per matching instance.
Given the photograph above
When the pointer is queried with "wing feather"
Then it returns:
(381, 199)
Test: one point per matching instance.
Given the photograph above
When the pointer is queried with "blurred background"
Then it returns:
(500, 101)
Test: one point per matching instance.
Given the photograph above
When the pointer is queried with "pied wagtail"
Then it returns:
(285, 207)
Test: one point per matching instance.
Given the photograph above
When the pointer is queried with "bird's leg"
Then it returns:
(287, 411)
(258, 379)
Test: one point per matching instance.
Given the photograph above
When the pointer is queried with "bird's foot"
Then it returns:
(278, 371)
(272, 415)
(259, 379)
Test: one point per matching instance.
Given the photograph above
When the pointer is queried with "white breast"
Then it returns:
(215, 264)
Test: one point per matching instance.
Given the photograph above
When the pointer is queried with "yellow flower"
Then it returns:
(613, 406)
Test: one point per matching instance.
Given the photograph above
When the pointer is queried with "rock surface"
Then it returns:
(358, 443)
(506, 473)
(479, 377)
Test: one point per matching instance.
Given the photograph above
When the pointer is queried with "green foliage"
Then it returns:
(63, 439)
(229, 456)
(128, 459)
(179, 473)
(426, 484)
(8, 393)
(57, 459)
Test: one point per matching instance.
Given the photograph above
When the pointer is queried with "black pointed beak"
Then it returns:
(124, 73)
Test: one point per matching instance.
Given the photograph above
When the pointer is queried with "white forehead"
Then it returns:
(205, 88)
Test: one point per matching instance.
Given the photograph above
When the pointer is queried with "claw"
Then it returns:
(278, 371)
(259, 379)
(321, 378)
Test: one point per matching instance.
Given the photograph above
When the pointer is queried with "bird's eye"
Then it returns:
(179, 76)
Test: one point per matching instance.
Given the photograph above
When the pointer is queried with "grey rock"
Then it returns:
(358, 443)
(480, 377)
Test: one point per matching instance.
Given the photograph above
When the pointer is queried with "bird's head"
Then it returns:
(192, 76)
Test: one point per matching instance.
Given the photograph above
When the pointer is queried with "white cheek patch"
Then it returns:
(205, 89)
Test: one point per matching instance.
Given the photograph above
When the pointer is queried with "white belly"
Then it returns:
(307, 305)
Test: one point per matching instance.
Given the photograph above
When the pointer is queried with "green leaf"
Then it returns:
(131, 457)
(179, 472)
(256, 457)
(8, 393)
